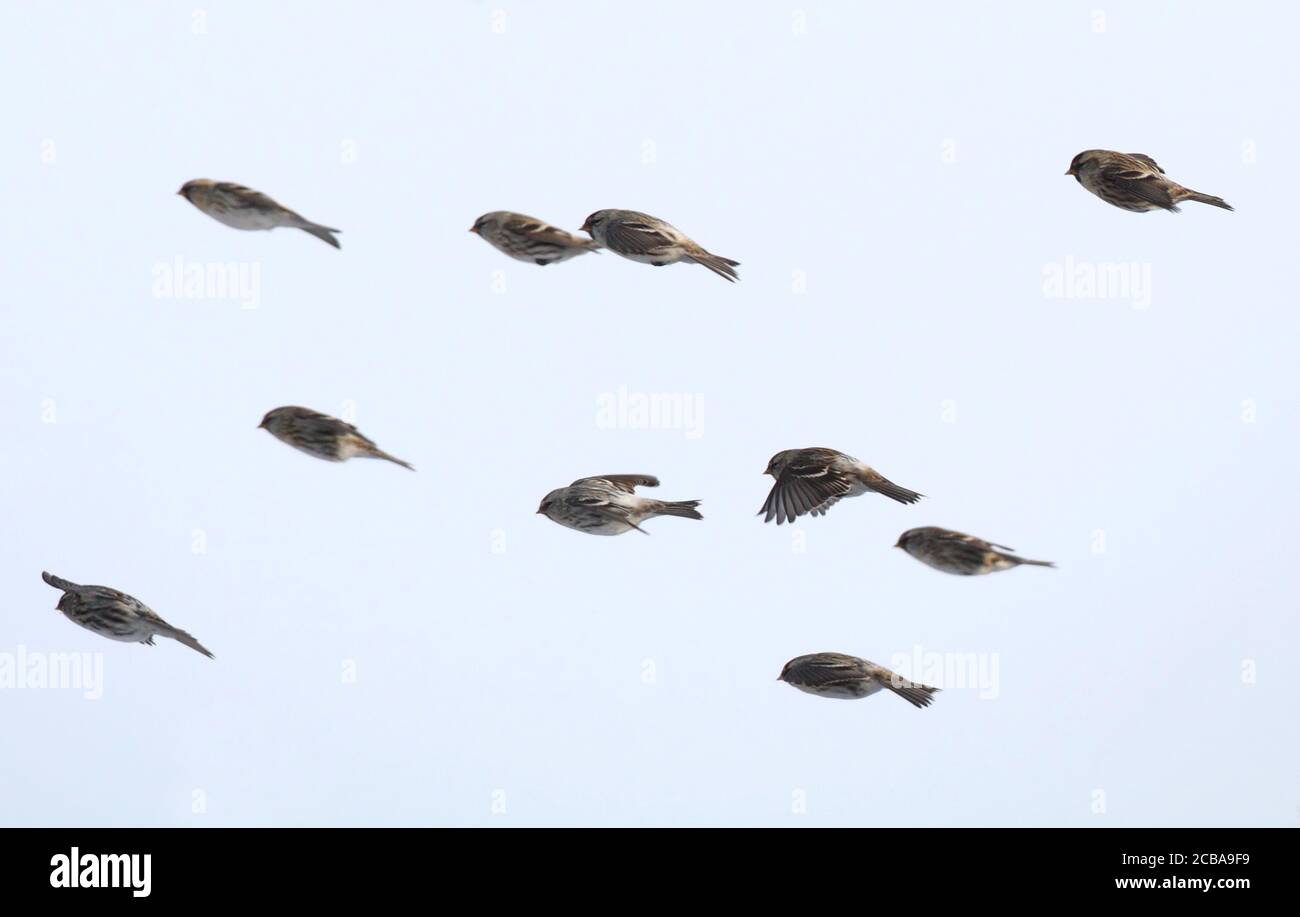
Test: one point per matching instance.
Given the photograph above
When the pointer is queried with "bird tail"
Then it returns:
(684, 508)
(723, 267)
(321, 232)
(893, 491)
(1032, 563)
(915, 694)
(59, 582)
(1190, 195)
(181, 636)
(381, 454)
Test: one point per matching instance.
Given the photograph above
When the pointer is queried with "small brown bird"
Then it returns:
(1133, 181)
(526, 238)
(649, 240)
(321, 435)
(116, 615)
(850, 678)
(814, 480)
(963, 555)
(608, 505)
(244, 208)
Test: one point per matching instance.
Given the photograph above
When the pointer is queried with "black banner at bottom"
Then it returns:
(340, 865)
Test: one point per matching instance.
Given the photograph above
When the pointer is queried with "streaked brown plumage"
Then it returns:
(244, 208)
(850, 678)
(963, 555)
(813, 480)
(526, 238)
(116, 615)
(1133, 181)
(650, 240)
(322, 436)
(608, 504)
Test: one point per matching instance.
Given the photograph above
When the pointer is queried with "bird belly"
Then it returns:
(122, 633)
(672, 256)
(855, 691)
(1124, 202)
(612, 527)
(247, 219)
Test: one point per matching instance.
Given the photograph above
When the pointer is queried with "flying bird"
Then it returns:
(1133, 181)
(608, 504)
(650, 240)
(116, 615)
(244, 208)
(963, 555)
(850, 678)
(526, 238)
(323, 436)
(814, 480)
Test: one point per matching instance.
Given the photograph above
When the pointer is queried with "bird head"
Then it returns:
(778, 462)
(193, 185)
(904, 538)
(1084, 160)
(594, 222)
(486, 221)
(271, 419)
(548, 502)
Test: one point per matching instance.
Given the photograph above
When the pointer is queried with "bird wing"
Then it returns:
(635, 237)
(602, 499)
(623, 482)
(330, 424)
(108, 597)
(58, 582)
(804, 487)
(972, 540)
(1144, 183)
(146, 613)
(543, 232)
(1146, 160)
(246, 198)
(830, 669)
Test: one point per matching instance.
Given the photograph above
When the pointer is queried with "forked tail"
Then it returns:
(1210, 199)
(323, 233)
(723, 267)
(1032, 563)
(381, 454)
(915, 694)
(684, 508)
(181, 636)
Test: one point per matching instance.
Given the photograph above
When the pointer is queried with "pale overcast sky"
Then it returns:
(423, 649)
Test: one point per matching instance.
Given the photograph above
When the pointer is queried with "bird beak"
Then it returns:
(473, 229)
(585, 227)
(1070, 172)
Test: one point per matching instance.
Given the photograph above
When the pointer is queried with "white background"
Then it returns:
(907, 159)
